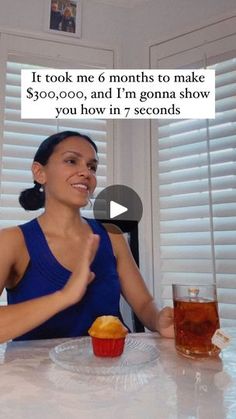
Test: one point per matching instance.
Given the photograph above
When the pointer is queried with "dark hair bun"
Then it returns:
(32, 199)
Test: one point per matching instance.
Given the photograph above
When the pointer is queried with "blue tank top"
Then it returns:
(45, 275)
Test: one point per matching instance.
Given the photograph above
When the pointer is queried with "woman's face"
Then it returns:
(67, 13)
(70, 173)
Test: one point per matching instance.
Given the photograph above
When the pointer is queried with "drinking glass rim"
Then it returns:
(193, 285)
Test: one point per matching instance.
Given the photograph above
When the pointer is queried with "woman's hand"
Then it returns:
(17, 319)
(165, 325)
(77, 284)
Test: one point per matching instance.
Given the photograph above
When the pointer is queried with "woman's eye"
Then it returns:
(71, 161)
(92, 167)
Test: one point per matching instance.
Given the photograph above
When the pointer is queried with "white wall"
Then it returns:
(100, 25)
(129, 32)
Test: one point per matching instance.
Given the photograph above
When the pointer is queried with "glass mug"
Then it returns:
(195, 320)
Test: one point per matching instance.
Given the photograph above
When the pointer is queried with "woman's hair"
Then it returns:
(34, 198)
(68, 11)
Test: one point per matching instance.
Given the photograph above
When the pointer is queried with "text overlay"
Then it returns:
(117, 94)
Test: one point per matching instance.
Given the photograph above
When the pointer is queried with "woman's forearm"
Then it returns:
(148, 315)
(157, 320)
(17, 319)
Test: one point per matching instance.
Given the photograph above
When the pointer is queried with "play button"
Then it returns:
(116, 209)
(118, 203)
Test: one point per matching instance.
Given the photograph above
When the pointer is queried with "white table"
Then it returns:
(33, 387)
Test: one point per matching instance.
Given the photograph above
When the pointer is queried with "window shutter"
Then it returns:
(195, 177)
(21, 139)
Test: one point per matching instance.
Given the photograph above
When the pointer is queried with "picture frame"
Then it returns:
(63, 17)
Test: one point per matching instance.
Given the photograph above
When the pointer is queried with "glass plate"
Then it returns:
(77, 355)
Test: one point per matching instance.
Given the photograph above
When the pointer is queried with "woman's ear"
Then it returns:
(38, 172)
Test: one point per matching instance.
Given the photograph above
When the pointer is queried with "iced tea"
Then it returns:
(195, 320)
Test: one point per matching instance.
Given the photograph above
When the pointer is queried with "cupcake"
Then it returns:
(108, 336)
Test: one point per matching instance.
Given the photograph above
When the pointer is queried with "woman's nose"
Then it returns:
(83, 169)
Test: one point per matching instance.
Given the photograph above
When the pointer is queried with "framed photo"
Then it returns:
(63, 17)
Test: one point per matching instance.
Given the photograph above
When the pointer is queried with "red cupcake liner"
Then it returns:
(108, 347)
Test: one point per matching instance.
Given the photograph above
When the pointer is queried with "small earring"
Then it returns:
(38, 186)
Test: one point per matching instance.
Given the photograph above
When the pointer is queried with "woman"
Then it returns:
(68, 21)
(45, 263)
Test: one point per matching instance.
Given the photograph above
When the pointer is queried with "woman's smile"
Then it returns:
(81, 187)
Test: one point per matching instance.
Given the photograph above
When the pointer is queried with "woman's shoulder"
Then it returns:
(118, 241)
(112, 229)
(11, 235)
(11, 245)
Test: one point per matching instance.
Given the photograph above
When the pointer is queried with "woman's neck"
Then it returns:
(64, 223)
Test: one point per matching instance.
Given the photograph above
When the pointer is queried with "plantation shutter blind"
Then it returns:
(21, 139)
(195, 180)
